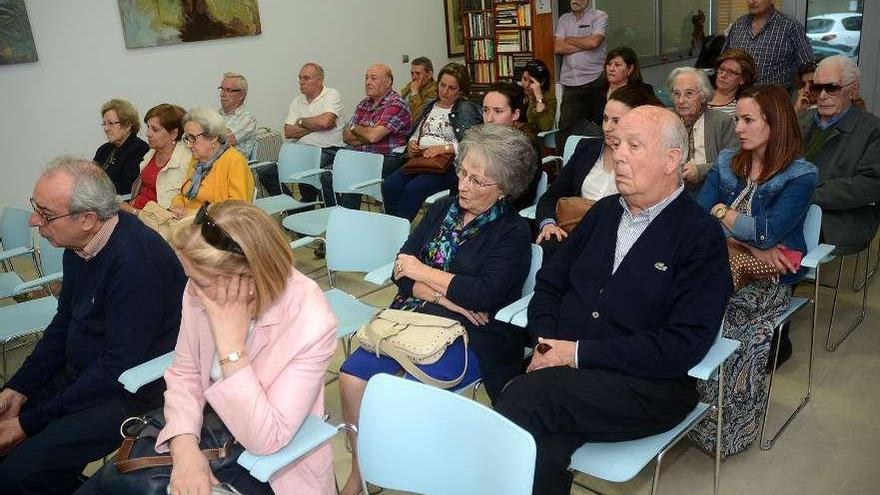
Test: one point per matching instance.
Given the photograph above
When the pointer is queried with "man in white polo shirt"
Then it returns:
(315, 118)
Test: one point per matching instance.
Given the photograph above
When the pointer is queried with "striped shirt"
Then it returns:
(632, 227)
(242, 123)
(99, 240)
(779, 48)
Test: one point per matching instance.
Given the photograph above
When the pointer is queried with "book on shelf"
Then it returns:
(483, 72)
(474, 4)
(514, 41)
(479, 24)
(482, 49)
(513, 15)
(511, 66)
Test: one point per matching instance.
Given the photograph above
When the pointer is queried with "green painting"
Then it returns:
(16, 39)
(164, 22)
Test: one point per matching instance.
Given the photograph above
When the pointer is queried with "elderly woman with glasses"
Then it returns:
(217, 172)
(123, 151)
(467, 259)
(709, 131)
(255, 340)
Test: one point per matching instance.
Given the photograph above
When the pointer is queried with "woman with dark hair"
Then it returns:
(589, 173)
(435, 136)
(541, 109)
(621, 69)
(735, 71)
(760, 195)
(123, 151)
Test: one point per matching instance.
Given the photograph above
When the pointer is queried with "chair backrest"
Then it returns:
(351, 167)
(422, 439)
(296, 157)
(15, 229)
(812, 226)
(537, 259)
(542, 187)
(50, 257)
(361, 241)
(266, 145)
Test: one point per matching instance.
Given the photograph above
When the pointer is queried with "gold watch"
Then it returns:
(719, 211)
(232, 357)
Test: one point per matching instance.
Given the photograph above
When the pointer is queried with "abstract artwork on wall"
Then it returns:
(16, 39)
(164, 22)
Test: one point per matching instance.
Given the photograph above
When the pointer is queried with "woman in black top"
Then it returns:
(121, 155)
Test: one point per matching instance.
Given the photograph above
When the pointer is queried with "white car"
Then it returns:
(836, 29)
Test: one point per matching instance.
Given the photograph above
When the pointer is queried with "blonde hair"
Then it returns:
(267, 258)
(125, 111)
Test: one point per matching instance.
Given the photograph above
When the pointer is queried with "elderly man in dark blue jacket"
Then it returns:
(632, 301)
(119, 306)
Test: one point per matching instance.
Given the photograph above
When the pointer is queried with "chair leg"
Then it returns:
(830, 344)
(656, 478)
(718, 426)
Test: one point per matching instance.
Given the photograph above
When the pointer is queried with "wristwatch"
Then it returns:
(299, 122)
(719, 211)
(232, 357)
(437, 297)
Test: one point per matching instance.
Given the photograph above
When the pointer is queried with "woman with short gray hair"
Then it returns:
(466, 259)
(121, 155)
(709, 131)
(217, 172)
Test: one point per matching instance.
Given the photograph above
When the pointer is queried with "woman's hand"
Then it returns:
(477, 318)
(433, 151)
(412, 149)
(408, 266)
(190, 473)
(550, 230)
(775, 257)
(179, 211)
(229, 303)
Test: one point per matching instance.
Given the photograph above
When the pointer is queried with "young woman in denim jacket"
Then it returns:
(760, 194)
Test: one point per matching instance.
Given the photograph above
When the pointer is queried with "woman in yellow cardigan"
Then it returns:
(217, 172)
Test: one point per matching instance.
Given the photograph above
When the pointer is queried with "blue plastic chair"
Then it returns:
(462, 447)
(312, 433)
(816, 254)
(17, 241)
(297, 163)
(354, 172)
(529, 211)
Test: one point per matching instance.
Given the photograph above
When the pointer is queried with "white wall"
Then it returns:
(53, 106)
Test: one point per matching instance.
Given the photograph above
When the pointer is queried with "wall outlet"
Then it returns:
(404, 58)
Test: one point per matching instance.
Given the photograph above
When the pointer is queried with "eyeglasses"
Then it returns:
(46, 218)
(471, 179)
(832, 89)
(228, 90)
(110, 124)
(191, 138)
(214, 234)
(688, 94)
(724, 70)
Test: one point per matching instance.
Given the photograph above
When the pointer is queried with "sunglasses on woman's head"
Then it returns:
(214, 234)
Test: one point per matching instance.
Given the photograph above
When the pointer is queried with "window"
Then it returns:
(819, 25)
(834, 27)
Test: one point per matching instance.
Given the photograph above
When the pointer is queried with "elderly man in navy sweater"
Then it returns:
(119, 306)
(632, 301)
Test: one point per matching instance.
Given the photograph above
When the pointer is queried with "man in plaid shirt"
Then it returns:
(777, 42)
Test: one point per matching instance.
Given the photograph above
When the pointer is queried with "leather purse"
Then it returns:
(570, 211)
(745, 268)
(412, 338)
(435, 165)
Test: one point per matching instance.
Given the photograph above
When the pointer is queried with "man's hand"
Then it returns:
(561, 353)
(10, 403)
(11, 435)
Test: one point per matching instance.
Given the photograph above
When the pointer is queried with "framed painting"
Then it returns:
(148, 23)
(454, 29)
(16, 38)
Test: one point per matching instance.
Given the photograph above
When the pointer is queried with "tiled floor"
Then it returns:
(830, 448)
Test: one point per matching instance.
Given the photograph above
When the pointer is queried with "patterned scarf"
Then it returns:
(202, 170)
(440, 251)
(689, 124)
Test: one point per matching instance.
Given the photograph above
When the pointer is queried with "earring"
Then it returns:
(501, 198)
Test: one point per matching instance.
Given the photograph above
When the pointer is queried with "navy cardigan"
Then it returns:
(489, 268)
(659, 313)
(115, 311)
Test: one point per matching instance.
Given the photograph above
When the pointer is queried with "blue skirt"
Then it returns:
(364, 365)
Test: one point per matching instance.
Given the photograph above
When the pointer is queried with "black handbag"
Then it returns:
(139, 470)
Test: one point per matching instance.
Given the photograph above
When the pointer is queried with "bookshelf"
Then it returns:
(501, 36)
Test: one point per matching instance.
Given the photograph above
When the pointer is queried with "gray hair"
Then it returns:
(508, 155)
(702, 81)
(210, 120)
(849, 70)
(92, 189)
(242, 81)
(674, 136)
(315, 67)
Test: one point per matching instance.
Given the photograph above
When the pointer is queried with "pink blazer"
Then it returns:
(263, 404)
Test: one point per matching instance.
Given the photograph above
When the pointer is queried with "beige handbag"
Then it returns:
(413, 338)
(157, 218)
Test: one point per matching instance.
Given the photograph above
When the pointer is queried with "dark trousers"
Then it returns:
(564, 407)
(268, 175)
(309, 193)
(50, 461)
(571, 111)
(499, 347)
(405, 193)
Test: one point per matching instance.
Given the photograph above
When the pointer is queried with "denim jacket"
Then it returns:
(464, 115)
(779, 206)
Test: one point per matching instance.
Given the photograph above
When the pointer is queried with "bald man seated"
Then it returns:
(630, 303)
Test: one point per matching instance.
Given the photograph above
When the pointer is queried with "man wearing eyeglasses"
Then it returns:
(843, 141)
(119, 306)
(241, 125)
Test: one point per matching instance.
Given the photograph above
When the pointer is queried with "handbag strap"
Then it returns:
(414, 370)
(126, 465)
